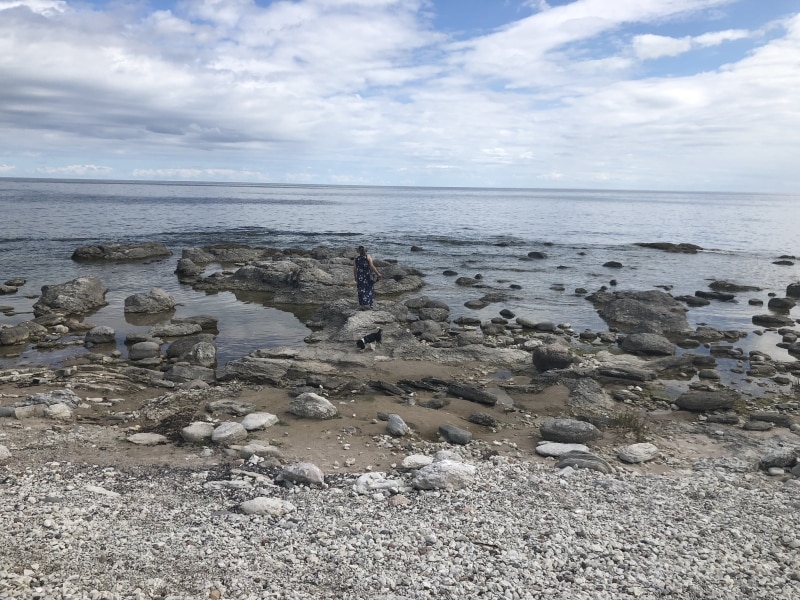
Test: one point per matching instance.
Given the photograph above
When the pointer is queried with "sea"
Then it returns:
(474, 232)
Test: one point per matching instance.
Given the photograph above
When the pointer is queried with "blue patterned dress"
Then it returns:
(366, 289)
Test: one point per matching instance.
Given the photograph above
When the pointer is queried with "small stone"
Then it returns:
(229, 432)
(147, 439)
(259, 420)
(266, 506)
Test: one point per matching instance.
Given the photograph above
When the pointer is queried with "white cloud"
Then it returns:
(7, 168)
(94, 170)
(649, 46)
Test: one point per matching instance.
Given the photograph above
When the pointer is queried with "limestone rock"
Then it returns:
(312, 406)
(147, 439)
(568, 431)
(443, 475)
(638, 453)
(156, 301)
(273, 507)
(557, 449)
(198, 432)
(259, 420)
(229, 432)
(302, 473)
(76, 297)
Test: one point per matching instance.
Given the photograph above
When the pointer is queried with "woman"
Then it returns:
(363, 268)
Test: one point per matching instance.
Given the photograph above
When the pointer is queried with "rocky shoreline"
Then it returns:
(508, 458)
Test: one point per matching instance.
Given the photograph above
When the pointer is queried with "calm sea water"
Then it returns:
(471, 231)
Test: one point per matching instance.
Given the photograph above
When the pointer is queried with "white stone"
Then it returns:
(266, 506)
(445, 474)
(60, 412)
(197, 432)
(5, 453)
(638, 453)
(262, 450)
(259, 420)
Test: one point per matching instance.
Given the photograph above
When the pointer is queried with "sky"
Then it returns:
(697, 95)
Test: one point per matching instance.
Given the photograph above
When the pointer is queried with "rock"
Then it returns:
(443, 475)
(5, 453)
(147, 439)
(15, 334)
(100, 335)
(537, 255)
(720, 296)
(455, 435)
(229, 432)
(255, 369)
(752, 425)
(396, 427)
(370, 483)
(774, 417)
(302, 473)
(781, 303)
(793, 290)
(65, 396)
(174, 329)
(772, 320)
(185, 373)
(156, 301)
(682, 248)
(198, 432)
(569, 431)
(780, 457)
(720, 285)
(203, 354)
(613, 264)
(144, 350)
(59, 412)
(273, 507)
(256, 421)
(556, 449)
(188, 269)
(261, 450)
(551, 356)
(312, 406)
(416, 461)
(472, 394)
(652, 311)
(481, 418)
(701, 401)
(647, 344)
(468, 338)
(121, 252)
(638, 453)
(231, 407)
(584, 460)
(77, 297)
(182, 347)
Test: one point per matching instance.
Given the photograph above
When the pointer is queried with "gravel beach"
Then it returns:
(519, 529)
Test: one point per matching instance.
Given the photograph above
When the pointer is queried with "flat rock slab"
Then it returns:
(568, 431)
(147, 439)
(557, 449)
(638, 453)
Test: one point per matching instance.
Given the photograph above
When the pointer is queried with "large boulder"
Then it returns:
(155, 301)
(651, 311)
(122, 252)
(443, 475)
(77, 297)
(312, 406)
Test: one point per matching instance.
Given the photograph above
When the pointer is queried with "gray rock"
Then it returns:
(155, 301)
(262, 450)
(396, 426)
(231, 407)
(77, 297)
(701, 401)
(773, 320)
(256, 421)
(198, 432)
(443, 475)
(59, 412)
(552, 356)
(174, 329)
(557, 449)
(147, 439)
(780, 457)
(121, 252)
(472, 394)
(312, 406)
(100, 335)
(64, 396)
(584, 460)
(455, 435)
(144, 350)
(484, 419)
(229, 432)
(184, 373)
(5, 453)
(638, 453)
(188, 269)
(15, 334)
(302, 473)
(777, 418)
(203, 354)
(647, 344)
(180, 348)
(255, 369)
(652, 310)
(569, 431)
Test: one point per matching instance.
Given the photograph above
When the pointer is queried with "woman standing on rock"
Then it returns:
(366, 276)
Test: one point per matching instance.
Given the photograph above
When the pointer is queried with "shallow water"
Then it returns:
(472, 231)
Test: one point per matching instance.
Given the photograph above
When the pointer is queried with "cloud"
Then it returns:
(649, 46)
(93, 170)
(7, 168)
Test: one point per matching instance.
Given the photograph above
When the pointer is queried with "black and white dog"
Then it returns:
(371, 339)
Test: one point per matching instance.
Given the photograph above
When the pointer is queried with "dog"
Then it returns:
(371, 339)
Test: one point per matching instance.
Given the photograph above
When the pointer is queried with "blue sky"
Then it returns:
(617, 94)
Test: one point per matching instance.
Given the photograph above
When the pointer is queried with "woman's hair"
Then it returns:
(361, 250)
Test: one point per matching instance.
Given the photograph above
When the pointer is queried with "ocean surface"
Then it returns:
(471, 231)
